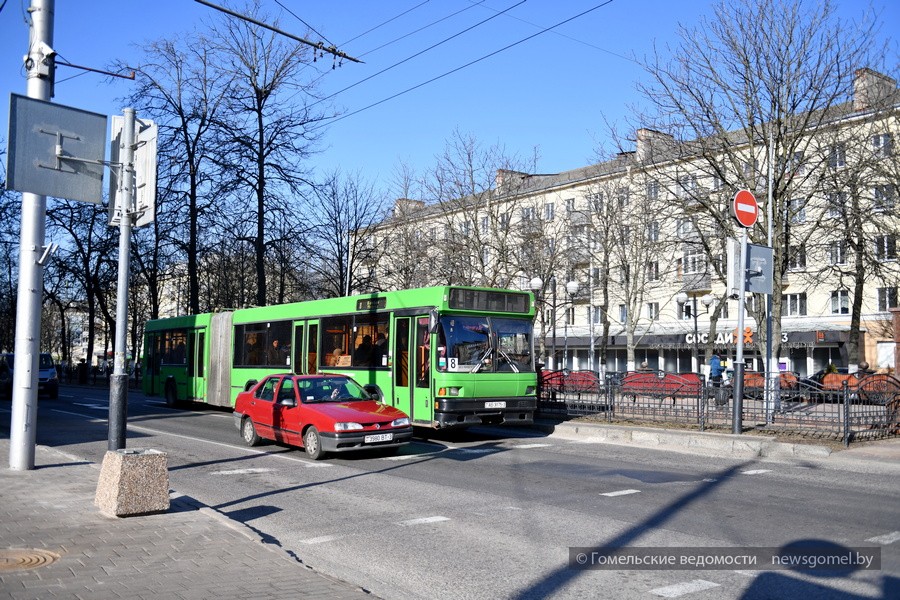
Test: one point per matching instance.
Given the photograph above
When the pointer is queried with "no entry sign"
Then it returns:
(744, 208)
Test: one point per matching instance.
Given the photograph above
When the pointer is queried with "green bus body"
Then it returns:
(447, 356)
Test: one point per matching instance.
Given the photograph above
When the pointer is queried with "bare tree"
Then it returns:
(344, 215)
(746, 89)
(265, 134)
(183, 94)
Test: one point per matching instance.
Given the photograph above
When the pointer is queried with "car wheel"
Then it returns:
(312, 443)
(248, 432)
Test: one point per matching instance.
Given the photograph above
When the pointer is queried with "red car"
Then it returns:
(321, 413)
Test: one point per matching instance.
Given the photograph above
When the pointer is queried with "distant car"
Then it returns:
(48, 381)
(320, 413)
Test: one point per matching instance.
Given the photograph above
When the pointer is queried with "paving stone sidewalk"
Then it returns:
(54, 543)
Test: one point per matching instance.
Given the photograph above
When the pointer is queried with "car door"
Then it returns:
(286, 414)
(261, 408)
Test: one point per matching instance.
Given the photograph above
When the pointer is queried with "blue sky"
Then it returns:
(553, 92)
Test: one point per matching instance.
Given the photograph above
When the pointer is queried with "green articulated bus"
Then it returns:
(447, 356)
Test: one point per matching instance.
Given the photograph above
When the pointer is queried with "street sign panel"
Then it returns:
(744, 208)
(55, 150)
(144, 196)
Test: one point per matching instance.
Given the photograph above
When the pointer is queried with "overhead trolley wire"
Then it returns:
(468, 64)
(408, 58)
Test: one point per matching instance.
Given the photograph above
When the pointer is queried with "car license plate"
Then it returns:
(381, 437)
(495, 404)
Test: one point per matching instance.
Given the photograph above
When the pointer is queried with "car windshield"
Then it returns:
(485, 344)
(331, 389)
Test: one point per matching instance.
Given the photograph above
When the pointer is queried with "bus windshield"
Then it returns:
(485, 344)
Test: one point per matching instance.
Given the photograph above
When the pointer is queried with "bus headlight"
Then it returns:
(347, 426)
(530, 390)
(451, 391)
(401, 422)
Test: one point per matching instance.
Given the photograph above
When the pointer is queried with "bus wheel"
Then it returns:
(248, 432)
(312, 444)
(171, 394)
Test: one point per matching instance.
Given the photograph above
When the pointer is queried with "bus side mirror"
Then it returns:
(432, 321)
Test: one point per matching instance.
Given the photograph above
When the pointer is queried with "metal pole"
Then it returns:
(31, 272)
(118, 386)
(738, 408)
(770, 367)
(696, 335)
(553, 283)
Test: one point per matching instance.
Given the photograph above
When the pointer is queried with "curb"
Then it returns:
(715, 444)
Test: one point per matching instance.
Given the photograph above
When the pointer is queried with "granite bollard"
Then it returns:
(133, 482)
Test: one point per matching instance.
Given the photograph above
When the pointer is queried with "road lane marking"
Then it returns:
(884, 540)
(533, 446)
(250, 471)
(232, 446)
(94, 406)
(680, 589)
(756, 471)
(89, 418)
(621, 493)
(423, 521)
(321, 539)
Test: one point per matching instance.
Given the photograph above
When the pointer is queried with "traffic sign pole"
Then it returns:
(745, 209)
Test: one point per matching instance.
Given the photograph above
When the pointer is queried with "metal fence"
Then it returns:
(842, 407)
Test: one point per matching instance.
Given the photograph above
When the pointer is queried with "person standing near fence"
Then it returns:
(715, 370)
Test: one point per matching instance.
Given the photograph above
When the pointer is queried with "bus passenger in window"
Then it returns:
(362, 357)
(334, 357)
(253, 350)
(379, 351)
(276, 355)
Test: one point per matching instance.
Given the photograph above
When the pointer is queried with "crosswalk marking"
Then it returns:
(621, 493)
(756, 471)
(888, 538)
(424, 520)
(680, 589)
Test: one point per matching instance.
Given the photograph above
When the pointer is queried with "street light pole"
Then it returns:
(537, 285)
(571, 290)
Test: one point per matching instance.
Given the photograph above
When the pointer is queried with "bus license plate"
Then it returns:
(495, 404)
(381, 437)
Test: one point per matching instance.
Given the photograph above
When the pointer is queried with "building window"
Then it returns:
(882, 145)
(796, 305)
(886, 247)
(653, 190)
(797, 210)
(653, 231)
(797, 257)
(484, 224)
(653, 270)
(549, 211)
(570, 205)
(687, 186)
(836, 202)
(837, 252)
(622, 197)
(684, 229)
(887, 298)
(623, 313)
(652, 310)
(528, 213)
(883, 197)
(840, 302)
(596, 201)
(504, 220)
(693, 261)
(837, 156)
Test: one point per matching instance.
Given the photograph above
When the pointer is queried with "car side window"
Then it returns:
(286, 391)
(267, 390)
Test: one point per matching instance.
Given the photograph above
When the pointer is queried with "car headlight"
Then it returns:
(347, 426)
(401, 422)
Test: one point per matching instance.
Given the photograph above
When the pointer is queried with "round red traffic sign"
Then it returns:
(744, 208)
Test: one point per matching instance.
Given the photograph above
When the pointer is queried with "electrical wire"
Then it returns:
(421, 52)
(311, 28)
(386, 22)
(328, 121)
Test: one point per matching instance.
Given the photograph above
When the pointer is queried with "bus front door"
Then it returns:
(422, 405)
(401, 395)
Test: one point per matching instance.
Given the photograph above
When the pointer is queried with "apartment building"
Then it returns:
(628, 257)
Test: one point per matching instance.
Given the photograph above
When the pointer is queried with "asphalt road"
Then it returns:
(493, 513)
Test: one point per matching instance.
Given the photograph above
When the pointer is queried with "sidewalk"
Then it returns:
(54, 543)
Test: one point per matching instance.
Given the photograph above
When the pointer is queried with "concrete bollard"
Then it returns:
(133, 482)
